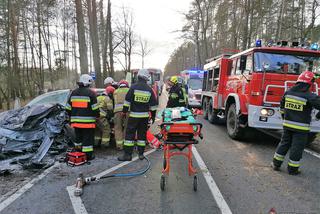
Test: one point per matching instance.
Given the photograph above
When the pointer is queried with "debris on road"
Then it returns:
(33, 135)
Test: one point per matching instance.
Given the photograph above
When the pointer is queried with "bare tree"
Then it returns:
(81, 38)
(144, 51)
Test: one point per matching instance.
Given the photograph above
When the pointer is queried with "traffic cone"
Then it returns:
(153, 140)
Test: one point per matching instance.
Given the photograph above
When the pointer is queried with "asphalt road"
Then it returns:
(244, 182)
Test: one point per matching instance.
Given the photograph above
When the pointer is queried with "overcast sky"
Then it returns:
(156, 20)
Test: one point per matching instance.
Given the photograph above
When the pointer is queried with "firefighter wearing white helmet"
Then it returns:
(296, 108)
(141, 100)
(108, 81)
(83, 110)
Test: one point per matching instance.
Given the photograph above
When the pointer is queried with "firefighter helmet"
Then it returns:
(306, 77)
(174, 80)
(144, 74)
(110, 90)
(108, 80)
(85, 80)
(123, 83)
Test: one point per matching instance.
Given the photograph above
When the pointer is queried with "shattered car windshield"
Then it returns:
(59, 97)
(279, 63)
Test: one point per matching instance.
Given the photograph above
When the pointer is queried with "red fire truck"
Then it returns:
(244, 89)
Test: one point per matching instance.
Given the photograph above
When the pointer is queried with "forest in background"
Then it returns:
(214, 25)
(44, 44)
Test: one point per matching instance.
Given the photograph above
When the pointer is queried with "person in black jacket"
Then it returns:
(83, 110)
(176, 96)
(141, 100)
(296, 106)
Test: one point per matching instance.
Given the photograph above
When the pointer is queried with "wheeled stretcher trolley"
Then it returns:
(179, 131)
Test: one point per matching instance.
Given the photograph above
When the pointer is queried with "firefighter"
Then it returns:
(296, 106)
(184, 88)
(103, 130)
(108, 81)
(120, 121)
(83, 110)
(141, 100)
(176, 98)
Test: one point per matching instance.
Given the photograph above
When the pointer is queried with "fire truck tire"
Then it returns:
(205, 108)
(212, 115)
(233, 123)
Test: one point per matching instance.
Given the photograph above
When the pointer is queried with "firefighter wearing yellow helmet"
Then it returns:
(176, 96)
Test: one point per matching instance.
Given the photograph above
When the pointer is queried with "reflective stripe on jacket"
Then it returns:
(119, 98)
(297, 104)
(82, 108)
(140, 99)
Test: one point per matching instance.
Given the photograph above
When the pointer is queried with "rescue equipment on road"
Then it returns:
(82, 181)
(153, 141)
(179, 133)
(76, 158)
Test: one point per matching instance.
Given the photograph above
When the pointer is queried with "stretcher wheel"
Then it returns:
(195, 183)
(162, 182)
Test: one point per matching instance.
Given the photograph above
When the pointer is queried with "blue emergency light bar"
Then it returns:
(314, 47)
(259, 43)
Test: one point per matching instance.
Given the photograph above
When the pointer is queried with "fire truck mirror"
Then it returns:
(243, 62)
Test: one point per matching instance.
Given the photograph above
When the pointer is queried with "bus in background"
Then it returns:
(155, 81)
(194, 80)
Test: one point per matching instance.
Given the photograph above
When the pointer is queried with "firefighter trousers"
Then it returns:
(102, 132)
(136, 127)
(120, 125)
(295, 141)
(85, 138)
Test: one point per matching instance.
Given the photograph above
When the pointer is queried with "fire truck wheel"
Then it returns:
(205, 108)
(233, 123)
(212, 115)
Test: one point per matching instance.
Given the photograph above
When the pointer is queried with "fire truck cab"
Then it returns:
(244, 89)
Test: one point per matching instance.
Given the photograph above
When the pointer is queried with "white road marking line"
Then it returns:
(77, 203)
(312, 153)
(26, 187)
(222, 204)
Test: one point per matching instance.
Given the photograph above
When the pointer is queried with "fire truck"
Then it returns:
(155, 81)
(244, 89)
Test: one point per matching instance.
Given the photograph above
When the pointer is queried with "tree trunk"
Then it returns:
(110, 39)
(81, 38)
(92, 14)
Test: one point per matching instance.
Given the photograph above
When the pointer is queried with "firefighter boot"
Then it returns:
(293, 170)
(127, 155)
(276, 164)
(140, 152)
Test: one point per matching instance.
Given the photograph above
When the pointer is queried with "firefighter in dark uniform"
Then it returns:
(141, 100)
(176, 97)
(83, 110)
(295, 107)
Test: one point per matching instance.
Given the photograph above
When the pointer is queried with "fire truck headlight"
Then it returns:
(267, 112)
(264, 112)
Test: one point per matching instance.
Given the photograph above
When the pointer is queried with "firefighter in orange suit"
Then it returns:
(83, 110)
(296, 107)
(120, 121)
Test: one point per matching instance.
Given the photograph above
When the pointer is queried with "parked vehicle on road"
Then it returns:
(155, 82)
(193, 80)
(245, 89)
